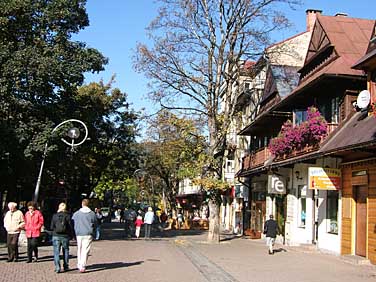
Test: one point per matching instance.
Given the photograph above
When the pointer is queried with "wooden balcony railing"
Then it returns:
(258, 158)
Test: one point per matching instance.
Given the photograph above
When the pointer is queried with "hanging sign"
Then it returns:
(276, 184)
(324, 178)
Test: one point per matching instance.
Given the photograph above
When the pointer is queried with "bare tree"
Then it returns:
(195, 58)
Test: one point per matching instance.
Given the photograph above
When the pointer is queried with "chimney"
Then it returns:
(341, 15)
(311, 18)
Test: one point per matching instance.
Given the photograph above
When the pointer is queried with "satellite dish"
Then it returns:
(363, 99)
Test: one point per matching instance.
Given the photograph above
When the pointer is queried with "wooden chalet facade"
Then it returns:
(327, 216)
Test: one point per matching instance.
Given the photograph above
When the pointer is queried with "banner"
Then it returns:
(324, 178)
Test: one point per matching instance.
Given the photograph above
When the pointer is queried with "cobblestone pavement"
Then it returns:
(185, 256)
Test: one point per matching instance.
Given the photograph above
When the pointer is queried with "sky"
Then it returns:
(116, 26)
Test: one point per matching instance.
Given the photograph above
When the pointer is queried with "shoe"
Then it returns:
(35, 260)
(57, 271)
(9, 260)
(82, 270)
(28, 261)
(66, 268)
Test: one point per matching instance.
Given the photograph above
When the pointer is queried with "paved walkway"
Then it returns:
(186, 256)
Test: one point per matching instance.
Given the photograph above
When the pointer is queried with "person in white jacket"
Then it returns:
(14, 221)
(148, 221)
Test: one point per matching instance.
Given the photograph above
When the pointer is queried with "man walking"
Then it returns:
(84, 223)
(13, 222)
(270, 230)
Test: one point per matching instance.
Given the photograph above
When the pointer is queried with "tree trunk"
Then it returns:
(213, 236)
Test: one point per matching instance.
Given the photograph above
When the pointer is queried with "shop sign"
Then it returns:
(324, 178)
(276, 184)
(241, 191)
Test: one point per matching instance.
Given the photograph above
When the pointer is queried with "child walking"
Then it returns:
(138, 224)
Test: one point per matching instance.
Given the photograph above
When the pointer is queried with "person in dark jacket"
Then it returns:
(270, 230)
(62, 231)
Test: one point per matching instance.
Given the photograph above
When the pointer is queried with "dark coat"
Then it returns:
(68, 223)
(270, 228)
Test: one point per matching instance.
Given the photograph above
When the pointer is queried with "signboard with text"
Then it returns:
(324, 178)
(276, 184)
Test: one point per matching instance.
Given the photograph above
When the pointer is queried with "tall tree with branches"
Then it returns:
(195, 58)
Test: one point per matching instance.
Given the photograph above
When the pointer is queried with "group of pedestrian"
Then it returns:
(85, 221)
(136, 219)
(15, 221)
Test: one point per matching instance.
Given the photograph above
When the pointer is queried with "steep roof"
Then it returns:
(348, 37)
(336, 44)
(284, 80)
(368, 61)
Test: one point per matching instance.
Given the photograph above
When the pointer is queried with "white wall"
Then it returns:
(296, 235)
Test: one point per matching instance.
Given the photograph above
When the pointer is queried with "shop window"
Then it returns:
(332, 212)
(302, 205)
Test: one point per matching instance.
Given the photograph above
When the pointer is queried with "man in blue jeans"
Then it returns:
(62, 230)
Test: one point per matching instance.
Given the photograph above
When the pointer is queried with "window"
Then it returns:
(300, 116)
(335, 110)
(302, 205)
(230, 166)
(332, 212)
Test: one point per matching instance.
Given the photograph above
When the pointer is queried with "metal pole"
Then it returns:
(39, 180)
(36, 193)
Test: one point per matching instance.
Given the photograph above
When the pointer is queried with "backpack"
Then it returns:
(60, 224)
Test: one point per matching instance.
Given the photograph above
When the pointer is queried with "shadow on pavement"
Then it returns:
(280, 250)
(116, 231)
(111, 265)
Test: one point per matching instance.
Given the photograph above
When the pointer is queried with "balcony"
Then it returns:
(258, 158)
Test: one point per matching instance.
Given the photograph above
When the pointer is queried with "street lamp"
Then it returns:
(139, 174)
(73, 133)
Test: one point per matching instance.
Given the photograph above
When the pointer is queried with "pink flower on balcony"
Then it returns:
(297, 137)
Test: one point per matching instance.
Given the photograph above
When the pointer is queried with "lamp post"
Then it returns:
(73, 133)
(140, 173)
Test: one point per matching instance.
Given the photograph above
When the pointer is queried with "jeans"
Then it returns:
(32, 246)
(98, 232)
(58, 242)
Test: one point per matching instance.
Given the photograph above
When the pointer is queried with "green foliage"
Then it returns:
(125, 190)
(41, 75)
(175, 150)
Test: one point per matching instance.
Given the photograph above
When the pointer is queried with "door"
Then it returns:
(280, 202)
(361, 193)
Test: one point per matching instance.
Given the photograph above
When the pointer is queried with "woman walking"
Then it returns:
(62, 230)
(33, 225)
